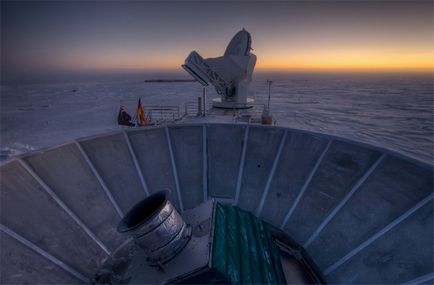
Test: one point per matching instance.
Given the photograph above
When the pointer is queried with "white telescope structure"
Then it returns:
(231, 74)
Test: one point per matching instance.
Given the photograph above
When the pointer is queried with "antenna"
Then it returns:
(269, 93)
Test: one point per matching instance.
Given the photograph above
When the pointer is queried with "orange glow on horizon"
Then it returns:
(301, 61)
(355, 61)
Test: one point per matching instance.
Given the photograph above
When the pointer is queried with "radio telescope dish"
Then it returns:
(230, 74)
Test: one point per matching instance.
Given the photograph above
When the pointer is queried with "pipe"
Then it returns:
(157, 228)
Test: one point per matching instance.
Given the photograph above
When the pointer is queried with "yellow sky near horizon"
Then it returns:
(323, 60)
(350, 60)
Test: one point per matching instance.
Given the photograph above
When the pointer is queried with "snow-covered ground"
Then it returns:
(394, 111)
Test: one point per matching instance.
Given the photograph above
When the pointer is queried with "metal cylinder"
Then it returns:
(157, 228)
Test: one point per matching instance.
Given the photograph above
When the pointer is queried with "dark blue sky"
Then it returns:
(53, 36)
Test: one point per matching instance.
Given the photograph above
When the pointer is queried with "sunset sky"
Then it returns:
(322, 35)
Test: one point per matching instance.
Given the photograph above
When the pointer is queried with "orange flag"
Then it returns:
(140, 115)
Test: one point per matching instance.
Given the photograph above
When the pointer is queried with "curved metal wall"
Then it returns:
(365, 215)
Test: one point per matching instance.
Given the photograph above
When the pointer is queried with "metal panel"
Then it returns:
(306, 183)
(112, 160)
(241, 166)
(100, 180)
(393, 188)
(402, 254)
(187, 145)
(67, 173)
(21, 265)
(225, 144)
(174, 170)
(271, 175)
(425, 279)
(153, 155)
(262, 147)
(27, 209)
(136, 163)
(343, 202)
(343, 165)
(59, 202)
(299, 155)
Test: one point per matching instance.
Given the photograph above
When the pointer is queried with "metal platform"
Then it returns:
(363, 214)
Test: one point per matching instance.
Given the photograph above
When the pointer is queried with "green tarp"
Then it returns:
(244, 252)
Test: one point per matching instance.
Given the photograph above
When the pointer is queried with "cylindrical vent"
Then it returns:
(157, 228)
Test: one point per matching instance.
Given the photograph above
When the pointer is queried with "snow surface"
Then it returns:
(391, 111)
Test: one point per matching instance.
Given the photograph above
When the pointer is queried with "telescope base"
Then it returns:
(218, 103)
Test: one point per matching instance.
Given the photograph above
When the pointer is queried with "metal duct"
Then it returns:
(157, 228)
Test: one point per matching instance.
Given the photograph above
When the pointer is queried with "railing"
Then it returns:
(191, 108)
(251, 115)
(157, 115)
